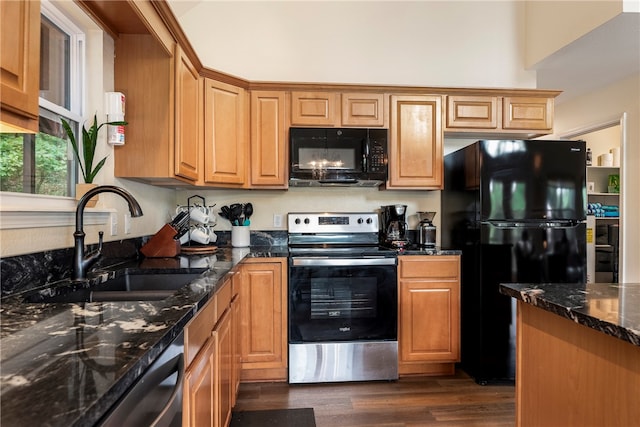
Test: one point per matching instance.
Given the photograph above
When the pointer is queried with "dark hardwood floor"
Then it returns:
(428, 401)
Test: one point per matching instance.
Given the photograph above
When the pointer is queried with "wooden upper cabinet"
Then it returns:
(472, 112)
(363, 109)
(527, 113)
(314, 109)
(486, 114)
(19, 65)
(144, 72)
(225, 143)
(416, 142)
(269, 148)
(188, 127)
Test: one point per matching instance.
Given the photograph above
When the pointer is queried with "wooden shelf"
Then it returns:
(603, 194)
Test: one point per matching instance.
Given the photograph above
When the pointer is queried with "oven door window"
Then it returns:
(342, 303)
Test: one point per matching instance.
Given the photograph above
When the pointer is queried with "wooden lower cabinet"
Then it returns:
(263, 319)
(199, 391)
(224, 398)
(210, 354)
(236, 331)
(429, 314)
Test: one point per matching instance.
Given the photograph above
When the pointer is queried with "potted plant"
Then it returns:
(89, 145)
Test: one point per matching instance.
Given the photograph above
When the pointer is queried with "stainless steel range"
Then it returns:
(343, 299)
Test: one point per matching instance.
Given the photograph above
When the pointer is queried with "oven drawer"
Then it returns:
(436, 267)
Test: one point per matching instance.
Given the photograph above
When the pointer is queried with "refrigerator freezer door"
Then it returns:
(532, 180)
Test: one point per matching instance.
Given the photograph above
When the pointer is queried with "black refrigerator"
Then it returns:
(517, 210)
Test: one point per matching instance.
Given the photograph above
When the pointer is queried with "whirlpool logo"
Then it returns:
(345, 329)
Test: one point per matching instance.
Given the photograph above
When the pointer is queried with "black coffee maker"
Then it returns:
(393, 231)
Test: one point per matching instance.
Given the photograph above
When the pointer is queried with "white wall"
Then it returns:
(599, 107)
(425, 43)
(268, 203)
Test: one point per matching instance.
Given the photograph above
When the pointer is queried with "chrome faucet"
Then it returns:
(82, 262)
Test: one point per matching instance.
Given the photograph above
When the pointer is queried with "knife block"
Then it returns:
(162, 244)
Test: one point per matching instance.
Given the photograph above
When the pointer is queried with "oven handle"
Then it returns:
(348, 262)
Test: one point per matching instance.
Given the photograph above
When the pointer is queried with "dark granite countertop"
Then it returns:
(612, 308)
(416, 250)
(66, 364)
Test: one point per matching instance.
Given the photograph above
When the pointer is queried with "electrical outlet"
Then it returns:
(277, 220)
(127, 223)
(114, 224)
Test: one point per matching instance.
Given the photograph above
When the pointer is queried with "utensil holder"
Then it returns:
(240, 236)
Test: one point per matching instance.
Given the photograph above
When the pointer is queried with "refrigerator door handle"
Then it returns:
(537, 224)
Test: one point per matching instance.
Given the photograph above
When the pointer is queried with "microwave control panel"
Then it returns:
(377, 156)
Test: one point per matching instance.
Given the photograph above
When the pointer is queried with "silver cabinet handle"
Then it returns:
(347, 262)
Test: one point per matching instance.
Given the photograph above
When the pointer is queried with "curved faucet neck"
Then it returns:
(82, 262)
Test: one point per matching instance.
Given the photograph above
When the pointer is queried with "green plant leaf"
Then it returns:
(96, 170)
(89, 145)
(74, 144)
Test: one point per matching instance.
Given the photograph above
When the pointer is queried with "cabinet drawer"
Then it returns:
(473, 112)
(313, 108)
(429, 267)
(198, 330)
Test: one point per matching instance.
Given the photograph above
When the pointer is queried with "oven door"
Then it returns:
(342, 299)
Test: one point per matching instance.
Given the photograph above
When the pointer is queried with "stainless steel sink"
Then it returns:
(131, 286)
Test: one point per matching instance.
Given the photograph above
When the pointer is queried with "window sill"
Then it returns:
(33, 211)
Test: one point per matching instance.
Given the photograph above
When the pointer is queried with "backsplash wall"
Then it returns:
(267, 203)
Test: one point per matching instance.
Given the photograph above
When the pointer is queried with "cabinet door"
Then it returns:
(428, 316)
(363, 109)
(314, 109)
(224, 375)
(225, 144)
(263, 314)
(236, 331)
(200, 394)
(20, 63)
(415, 153)
(472, 112)
(523, 113)
(188, 131)
(269, 150)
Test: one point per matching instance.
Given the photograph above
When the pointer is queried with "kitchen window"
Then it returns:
(43, 163)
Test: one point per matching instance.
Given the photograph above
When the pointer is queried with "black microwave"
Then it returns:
(337, 157)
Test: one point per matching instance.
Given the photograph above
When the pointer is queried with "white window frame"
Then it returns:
(21, 210)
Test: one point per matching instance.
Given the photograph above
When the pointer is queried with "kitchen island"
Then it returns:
(578, 354)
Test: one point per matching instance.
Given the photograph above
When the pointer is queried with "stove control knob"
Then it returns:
(360, 221)
(306, 221)
(297, 221)
(369, 221)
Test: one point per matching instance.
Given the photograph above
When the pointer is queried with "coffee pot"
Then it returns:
(426, 231)
(393, 227)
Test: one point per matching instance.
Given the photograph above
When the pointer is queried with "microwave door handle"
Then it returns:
(365, 156)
